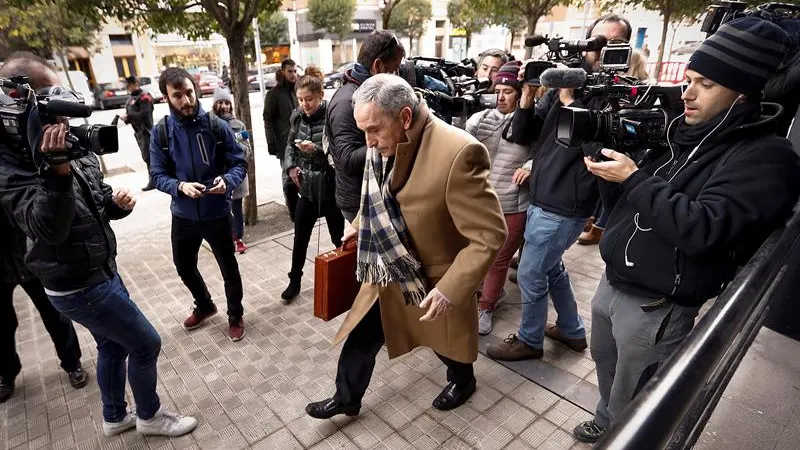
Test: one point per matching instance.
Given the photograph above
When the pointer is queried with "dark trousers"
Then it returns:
(305, 218)
(59, 327)
(238, 217)
(144, 147)
(357, 360)
(187, 235)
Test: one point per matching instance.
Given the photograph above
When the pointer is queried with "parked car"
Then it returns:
(81, 85)
(207, 82)
(252, 80)
(335, 79)
(270, 81)
(111, 95)
(150, 85)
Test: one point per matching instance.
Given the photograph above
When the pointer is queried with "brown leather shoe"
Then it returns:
(196, 319)
(591, 237)
(235, 329)
(588, 226)
(577, 345)
(512, 349)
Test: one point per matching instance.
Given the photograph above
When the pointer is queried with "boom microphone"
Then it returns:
(563, 78)
(535, 40)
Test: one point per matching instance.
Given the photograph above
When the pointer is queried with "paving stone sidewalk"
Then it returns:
(251, 394)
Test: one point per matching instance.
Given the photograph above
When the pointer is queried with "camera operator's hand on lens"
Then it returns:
(191, 190)
(219, 186)
(307, 147)
(124, 199)
(124, 118)
(528, 99)
(54, 140)
(294, 174)
(615, 171)
(521, 176)
(567, 96)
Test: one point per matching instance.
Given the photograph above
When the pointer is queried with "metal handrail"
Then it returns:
(673, 407)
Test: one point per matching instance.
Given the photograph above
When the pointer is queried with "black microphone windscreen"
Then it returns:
(535, 40)
(66, 109)
(596, 43)
(563, 78)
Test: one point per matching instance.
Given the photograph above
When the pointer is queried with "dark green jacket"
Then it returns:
(318, 179)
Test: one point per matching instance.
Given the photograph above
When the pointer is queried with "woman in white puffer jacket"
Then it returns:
(509, 179)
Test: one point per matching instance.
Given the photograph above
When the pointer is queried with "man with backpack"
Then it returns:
(195, 159)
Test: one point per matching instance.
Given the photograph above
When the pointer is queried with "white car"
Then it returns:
(81, 84)
(150, 85)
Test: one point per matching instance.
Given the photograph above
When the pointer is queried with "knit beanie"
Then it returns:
(742, 55)
(222, 94)
(507, 75)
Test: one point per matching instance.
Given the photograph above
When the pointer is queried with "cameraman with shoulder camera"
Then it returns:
(64, 209)
(682, 224)
(563, 194)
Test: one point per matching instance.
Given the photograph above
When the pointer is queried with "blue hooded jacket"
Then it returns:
(193, 157)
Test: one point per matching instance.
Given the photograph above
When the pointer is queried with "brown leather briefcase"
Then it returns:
(335, 284)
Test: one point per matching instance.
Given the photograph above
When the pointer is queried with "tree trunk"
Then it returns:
(513, 35)
(664, 28)
(241, 101)
(531, 30)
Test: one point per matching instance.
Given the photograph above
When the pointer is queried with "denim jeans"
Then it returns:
(238, 218)
(541, 271)
(121, 331)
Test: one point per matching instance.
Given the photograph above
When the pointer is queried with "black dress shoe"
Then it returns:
(454, 396)
(78, 378)
(149, 187)
(6, 388)
(329, 408)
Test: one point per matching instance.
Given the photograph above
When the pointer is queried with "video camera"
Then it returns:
(636, 117)
(22, 105)
(569, 53)
(717, 15)
(450, 88)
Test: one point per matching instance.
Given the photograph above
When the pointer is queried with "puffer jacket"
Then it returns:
(318, 179)
(66, 218)
(12, 252)
(489, 127)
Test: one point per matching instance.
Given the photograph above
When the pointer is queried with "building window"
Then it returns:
(120, 39)
(126, 66)
(440, 23)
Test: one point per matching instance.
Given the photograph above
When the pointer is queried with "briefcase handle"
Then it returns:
(346, 247)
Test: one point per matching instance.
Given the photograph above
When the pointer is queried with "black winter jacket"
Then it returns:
(66, 218)
(684, 239)
(279, 104)
(12, 252)
(348, 145)
(318, 179)
(560, 182)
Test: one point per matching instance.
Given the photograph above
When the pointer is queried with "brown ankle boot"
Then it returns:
(591, 237)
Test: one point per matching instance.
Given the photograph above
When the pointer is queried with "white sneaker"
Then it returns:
(166, 423)
(484, 321)
(115, 428)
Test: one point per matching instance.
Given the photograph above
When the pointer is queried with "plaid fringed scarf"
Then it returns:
(383, 242)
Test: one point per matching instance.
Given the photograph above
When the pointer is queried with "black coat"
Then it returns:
(140, 115)
(12, 252)
(66, 218)
(279, 104)
(348, 145)
(560, 182)
(694, 231)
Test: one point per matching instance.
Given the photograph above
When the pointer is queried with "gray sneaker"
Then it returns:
(166, 423)
(484, 321)
(115, 428)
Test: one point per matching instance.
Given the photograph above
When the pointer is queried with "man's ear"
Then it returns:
(407, 117)
(376, 67)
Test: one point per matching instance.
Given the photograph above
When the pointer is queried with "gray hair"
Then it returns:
(390, 92)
